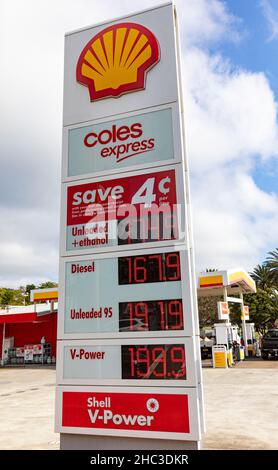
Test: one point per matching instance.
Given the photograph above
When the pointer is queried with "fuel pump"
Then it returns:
(224, 335)
(251, 339)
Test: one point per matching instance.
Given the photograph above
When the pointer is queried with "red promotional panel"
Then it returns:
(126, 411)
(141, 190)
(140, 208)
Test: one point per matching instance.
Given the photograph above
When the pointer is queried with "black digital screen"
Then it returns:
(151, 315)
(150, 228)
(159, 267)
(154, 362)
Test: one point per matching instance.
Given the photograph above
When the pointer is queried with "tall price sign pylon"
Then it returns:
(128, 365)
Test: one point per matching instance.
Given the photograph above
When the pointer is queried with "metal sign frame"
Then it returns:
(181, 215)
(162, 89)
(193, 408)
(176, 134)
(190, 359)
(186, 296)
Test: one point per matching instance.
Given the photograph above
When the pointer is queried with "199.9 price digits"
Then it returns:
(160, 361)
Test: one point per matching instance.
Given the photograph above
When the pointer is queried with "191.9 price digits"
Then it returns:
(151, 315)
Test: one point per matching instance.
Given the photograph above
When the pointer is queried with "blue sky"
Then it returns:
(257, 51)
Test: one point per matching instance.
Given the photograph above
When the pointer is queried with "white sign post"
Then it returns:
(128, 364)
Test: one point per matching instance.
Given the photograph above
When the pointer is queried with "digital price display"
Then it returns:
(117, 361)
(151, 228)
(139, 208)
(152, 315)
(159, 267)
(104, 295)
(155, 362)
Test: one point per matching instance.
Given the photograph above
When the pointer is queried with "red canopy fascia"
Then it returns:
(18, 318)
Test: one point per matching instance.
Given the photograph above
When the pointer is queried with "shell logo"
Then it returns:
(117, 59)
(152, 405)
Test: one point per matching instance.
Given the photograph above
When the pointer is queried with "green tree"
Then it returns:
(21, 296)
(263, 307)
(28, 289)
(47, 285)
(207, 307)
(18, 297)
(262, 276)
(7, 296)
(272, 264)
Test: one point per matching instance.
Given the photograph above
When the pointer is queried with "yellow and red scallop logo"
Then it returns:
(117, 59)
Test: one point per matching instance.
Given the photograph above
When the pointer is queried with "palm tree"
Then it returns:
(272, 264)
(274, 305)
(262, 276)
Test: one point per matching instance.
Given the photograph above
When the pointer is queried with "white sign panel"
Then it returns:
(139, 140)
(223, 310)
(28, 353)
(128, 295)
(245, 312)
(145, 412)
(132, 59)
(161, 361)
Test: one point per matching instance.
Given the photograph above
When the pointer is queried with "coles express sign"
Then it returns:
(142, 139)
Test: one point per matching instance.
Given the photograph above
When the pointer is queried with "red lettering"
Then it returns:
(112, 135)
(105, 152)
(135, 146)
(87, 142)
(136, 130)
(151, 143)
(103, 140)
(123, 133)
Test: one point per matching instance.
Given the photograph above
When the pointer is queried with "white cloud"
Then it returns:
(231, 113)
(28, 248)
(234, 220)
(270, 12)
(231, 122)
(230, 118)
(207, 22)
(202, 22)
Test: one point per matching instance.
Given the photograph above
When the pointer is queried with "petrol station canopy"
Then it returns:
(43, 295)
(33, 312)
(27, 313)
(234, 280)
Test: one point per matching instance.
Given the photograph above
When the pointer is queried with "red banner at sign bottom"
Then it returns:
(134, 411)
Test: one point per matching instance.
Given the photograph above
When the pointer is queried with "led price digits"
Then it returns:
(159, 361)
(160, 267)
(152, 315)
(150, 228)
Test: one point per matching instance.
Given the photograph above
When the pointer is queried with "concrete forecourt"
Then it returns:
(247, 412)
